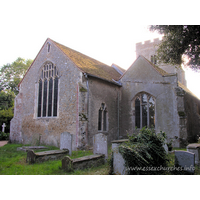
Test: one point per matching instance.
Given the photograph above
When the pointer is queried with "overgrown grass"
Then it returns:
(13, 162)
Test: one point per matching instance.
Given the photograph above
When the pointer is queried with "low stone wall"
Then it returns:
(33, 157)
(69, 164)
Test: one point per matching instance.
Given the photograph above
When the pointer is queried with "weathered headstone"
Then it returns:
(3, 127)
(185, 160)
(66, 141)
(118, 161)
(195, 148)
(100, 144)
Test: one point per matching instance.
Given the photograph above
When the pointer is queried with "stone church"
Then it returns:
(66, 91)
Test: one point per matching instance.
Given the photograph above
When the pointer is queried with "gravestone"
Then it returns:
(195, 148)
(3, 127)
(185, 160)
(100, 144)
(118, 161)
(66, 142)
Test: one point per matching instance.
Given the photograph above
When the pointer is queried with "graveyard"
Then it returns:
(13, 162)
(145, 153)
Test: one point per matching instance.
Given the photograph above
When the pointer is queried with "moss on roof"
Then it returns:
(89, 65)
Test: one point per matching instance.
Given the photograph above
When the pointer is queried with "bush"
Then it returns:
(4, 136)
(144, 153)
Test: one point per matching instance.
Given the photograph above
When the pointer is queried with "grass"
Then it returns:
(13, 162)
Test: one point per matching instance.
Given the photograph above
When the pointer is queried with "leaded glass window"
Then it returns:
(48, 91)
(144, 110)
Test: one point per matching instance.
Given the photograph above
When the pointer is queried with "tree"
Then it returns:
(179, 41)
(11, 74)
(6, 108)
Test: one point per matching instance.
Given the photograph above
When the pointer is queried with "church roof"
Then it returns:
(89, 65)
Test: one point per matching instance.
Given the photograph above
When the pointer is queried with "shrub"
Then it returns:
(4, 136)
(144, 153)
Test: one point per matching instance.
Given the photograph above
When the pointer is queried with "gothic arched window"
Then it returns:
(102, 118)
(48, 91)
(144, 110)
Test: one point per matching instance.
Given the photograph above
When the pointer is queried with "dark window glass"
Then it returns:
(151, 113)
(104, 120)
(100, 120)
(144, 111)
(137, 113)
(48, 91)
(144, 115)
(40, 99)
(45, 99)
(50, 97)
(55, 101)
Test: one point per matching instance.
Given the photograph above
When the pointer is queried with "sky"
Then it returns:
(105, 30)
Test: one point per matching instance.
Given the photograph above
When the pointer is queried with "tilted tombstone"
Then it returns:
(185, 160)
(100, 144)
(66, 141)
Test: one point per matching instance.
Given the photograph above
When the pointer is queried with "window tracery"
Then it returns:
(144, 106)
(48, 91)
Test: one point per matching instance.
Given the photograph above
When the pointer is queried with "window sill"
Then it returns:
(46, 117)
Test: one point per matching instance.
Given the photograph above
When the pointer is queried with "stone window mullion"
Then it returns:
(48, 91)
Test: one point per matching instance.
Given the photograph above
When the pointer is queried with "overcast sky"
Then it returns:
(106, 30)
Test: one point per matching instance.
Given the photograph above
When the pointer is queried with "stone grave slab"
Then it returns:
(84, 162)
(26, 148)
(186, 160)
(33, 157)
(66, 141)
